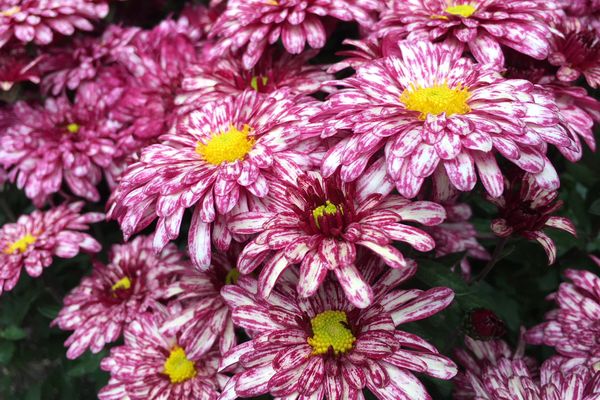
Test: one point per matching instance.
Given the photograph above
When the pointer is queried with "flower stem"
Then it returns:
(496, 256)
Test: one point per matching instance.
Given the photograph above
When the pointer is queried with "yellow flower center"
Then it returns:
(326, 209)
(21, 245)
(177, 367)
(254, 82)
(10, 11)
(330, 329)
(436, 100)
(232, 277)
(463, 10)
(273, 2)
(122, 284)
(226, 146)
(73, 128)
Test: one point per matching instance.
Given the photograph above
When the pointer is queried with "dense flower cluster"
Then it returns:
(275, 201)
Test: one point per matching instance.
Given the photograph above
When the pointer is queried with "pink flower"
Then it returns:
(154, 364)
(205, 317)
(573, 327)
(481, 361)
(225, 76)
(34, 240)
(37, 20)
(324, 347)
(111, 297)
(505, 377)
(16, 66)
(217, 160)
(481, 25)
(575, 49)
(59, 143)
(321, 223)
(67, 66)
(526, 209)
(253, 25)
(434, 112)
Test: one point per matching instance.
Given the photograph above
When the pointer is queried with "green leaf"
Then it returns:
(49, 311)
(7, 350)
(595, 207)
(13, 333)
(85, 365)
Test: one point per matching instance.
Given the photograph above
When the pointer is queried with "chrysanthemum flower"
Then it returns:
(205, 317)
(321, 223)
(17, 66)
(484, 324)
(575, 49)
(154, 364)
(482, 25)
(115, 294)
(324, 347)
(252, 25)
(526, 209)
(34, 240)
(226, 76)
(480, 359)
(509, 378)
(37, 20)
(573, 327)
(58, 143)
(435, 112)
(217, 161)
(66, 66)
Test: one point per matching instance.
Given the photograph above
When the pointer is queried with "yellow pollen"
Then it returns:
(73, 128)
(436, 100)
(326, 209)
(232, 277)
(21, 245)
(122, 284)
(463, 10)
(10, 11)
(273, 2)
(177, 367)
(226, 146)
(330, 329)
(254, 81)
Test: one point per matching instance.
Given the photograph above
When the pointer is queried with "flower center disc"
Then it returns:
(232, 277)
(463, 10)
(226, 146)
(21, 245)
(9, 12)
(259, 82)
(177, 367)
(436, 100)
(326, 209)
(73, 128)
(122, 284)
(330, 329)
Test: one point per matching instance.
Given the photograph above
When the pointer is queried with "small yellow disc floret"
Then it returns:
(21, 245)
(123, 283)
(227, 146)
(177, 367)
(73, 128)
(463, 10)
(326, 209)
(330, 330)
(436, 100)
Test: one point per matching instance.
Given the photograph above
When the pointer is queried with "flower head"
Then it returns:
(324, 347)
(34, 240)
(154, 363)
(115, 294)
(435, 112)
(218, 161)
(59, 142)
(526, 209)
(482, 25)
(572, 328)
(37, 20)
(252, 25)
(484, 324)
(205, 317)
(321, 223)
(225, 76)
